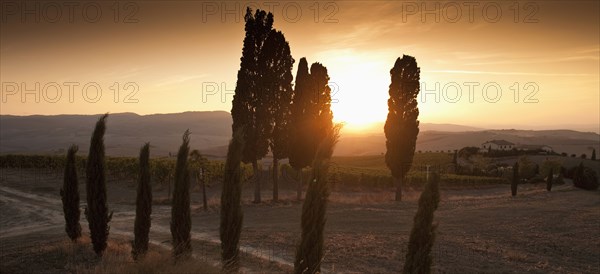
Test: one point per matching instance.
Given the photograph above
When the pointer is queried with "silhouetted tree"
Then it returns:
(515, 179)
(311, 115)
(422, 235)
(276, 62)
(96, 211)
(583, 156)
(549, 181)
(70, 196)
(250, 106)
(585, 178)
(231, 208)
(143, 208)
(593, 155)
(402, 127)
(181, 222)
(309, 253)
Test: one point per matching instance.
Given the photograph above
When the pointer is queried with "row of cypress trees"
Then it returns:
(97, 210)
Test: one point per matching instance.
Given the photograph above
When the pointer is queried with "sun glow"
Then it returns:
(359, 87)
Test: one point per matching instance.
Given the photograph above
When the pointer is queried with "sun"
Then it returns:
(359, 90)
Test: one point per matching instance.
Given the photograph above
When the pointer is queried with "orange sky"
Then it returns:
(171, 53)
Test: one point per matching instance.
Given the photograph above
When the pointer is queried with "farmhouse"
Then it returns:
(497, 145)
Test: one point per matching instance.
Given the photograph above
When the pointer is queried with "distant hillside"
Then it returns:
(211, 131)
(125, 134)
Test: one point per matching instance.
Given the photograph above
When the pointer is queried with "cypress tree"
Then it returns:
(231, 208)
(143, 208)
(97, 208)
(402, 127)
(70, 196)
(515, 179)
(549, 180)
(181, 222)
(310, 115)
(277, 65)
(593, 155)
(250, 106)
(309, 253)
(422, 235)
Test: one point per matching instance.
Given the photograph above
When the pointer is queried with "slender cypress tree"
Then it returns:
(310, 115)
(515, 179)
(70, 196)
(593, 155)
(250, 106)
(309, 253)
(231, 208)
(422, 235)
(143, 208)
(402, 124)
(97, 208)
(549, 180)
(181, 222)
(277, 65)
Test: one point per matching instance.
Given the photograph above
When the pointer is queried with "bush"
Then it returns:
(585, 178)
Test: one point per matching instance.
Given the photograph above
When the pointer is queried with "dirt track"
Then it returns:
(479, 230)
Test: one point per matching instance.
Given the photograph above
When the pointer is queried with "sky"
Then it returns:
(491, 64)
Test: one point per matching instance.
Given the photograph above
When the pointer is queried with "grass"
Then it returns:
(65, 256)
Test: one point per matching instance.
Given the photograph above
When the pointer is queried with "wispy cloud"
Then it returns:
(506, 73)
(177, 79)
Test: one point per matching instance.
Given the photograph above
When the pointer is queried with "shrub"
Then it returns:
(585, 178)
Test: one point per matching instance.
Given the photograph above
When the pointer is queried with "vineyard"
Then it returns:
(354, 173)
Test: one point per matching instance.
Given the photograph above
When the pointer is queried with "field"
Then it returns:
(480, 229)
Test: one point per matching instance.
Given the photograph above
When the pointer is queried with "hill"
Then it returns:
(211, 131)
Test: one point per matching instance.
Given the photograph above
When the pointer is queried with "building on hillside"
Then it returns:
(497, 145)
(535, 148)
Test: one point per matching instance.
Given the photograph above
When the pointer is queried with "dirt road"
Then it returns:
(479, 230)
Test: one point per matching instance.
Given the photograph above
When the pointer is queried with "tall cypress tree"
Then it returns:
(309, 253)
(402, 124)
(277, 63)
(549, 180)
(310, 115)
(593, 155)
(231, 208)
(515, 179)
(250, 106)
(97, 208)
(181, 222)
(422, 235)
(70, 196)
(143, 208)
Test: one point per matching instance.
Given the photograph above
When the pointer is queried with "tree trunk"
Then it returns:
(398, 184)
(275, 179)
(300, 183)
(256, 182)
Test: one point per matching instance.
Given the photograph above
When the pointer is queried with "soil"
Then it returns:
(478, 230)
